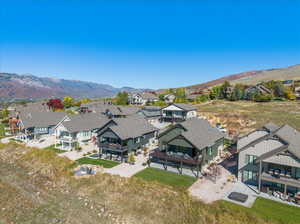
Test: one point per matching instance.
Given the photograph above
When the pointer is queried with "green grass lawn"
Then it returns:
(165, 177)
(52, 148)
(269, 210)
(100, 162)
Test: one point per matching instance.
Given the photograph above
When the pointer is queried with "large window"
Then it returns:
(250, 159)
(298, 173)
(250, 175)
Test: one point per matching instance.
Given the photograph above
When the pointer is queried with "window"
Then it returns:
(298, 173)
(250, 175)
(209, 151)
(250, 159)
(137, 140)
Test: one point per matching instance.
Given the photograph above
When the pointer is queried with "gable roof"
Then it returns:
(41, 119)
(271, 127)
(200, 133)
(85, 122)
(286, 138)
(131, 127)
(183, 106)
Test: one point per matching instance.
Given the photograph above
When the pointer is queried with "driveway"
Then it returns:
(127, 170)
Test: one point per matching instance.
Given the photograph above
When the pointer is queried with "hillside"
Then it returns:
(254, 77)
(29, 86)
(36, 187)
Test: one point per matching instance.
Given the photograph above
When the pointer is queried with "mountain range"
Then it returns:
(14, 86)
(28, 86)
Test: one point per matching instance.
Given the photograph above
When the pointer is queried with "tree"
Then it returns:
(122, 98)
(161, 97)
(68, 102)
(237, 93)
(278, 89)
(224, 90)
(202, 98)
(215, 92)
(55, 104)
(290, 95)
(180, 93)
(5, 113)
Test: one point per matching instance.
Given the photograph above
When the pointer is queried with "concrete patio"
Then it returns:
(74, 155)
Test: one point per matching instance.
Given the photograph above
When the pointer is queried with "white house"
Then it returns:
(178, 112)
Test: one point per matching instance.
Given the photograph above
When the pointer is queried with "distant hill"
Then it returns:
(254, 77)
(29, 86)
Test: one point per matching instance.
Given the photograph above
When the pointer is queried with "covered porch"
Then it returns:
(113, 149)
(173, 115)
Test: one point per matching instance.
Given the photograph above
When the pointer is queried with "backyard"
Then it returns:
(2, 130)
(268, 210)
(99, 162)
(166, 178)
(52, 148)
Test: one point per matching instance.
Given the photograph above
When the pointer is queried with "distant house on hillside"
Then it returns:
(259, 88)
(169, 98)
(297, 93)
(178, 112)
(188, 146)
(142, 98)
(270, 159)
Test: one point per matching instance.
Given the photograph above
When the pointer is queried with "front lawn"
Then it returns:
(165, 177)
(269, 210)
(52, 148)
(99, 162)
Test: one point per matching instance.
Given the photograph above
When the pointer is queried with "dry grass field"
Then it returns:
(36, 186)
(244, 116)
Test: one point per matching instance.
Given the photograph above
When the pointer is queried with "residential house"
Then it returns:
(75, 130)
(169, 98)
(151, 113)
(113, 111)
(187, 147)
(178, 112)
(34, 125)
(125, 135)
(259, 88)
(269, 158)
(142, 98)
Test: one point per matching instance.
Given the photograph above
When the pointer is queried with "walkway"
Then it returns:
(44, 142)
(5, 140)
(74, 155)
(127, 170)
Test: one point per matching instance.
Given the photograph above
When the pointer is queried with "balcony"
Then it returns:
(113, 147)
(156, 154)
(280, 179)
(66, 138)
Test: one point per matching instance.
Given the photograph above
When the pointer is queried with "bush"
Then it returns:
(263, 97)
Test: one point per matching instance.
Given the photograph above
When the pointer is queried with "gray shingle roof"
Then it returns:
(41, 119)
(85, 122)
(200, 133)
(253, 136)
(292, 137)
(187, 107)
(131, 127)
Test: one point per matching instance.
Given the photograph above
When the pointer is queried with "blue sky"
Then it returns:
(147, 44)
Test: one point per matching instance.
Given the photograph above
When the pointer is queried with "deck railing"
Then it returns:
(173, 158)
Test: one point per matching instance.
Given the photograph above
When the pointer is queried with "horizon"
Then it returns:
(148, 45)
